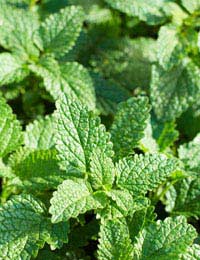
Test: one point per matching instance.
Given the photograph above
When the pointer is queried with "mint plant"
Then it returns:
(99, 130)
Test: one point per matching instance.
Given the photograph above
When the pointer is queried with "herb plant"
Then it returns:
(99, 130)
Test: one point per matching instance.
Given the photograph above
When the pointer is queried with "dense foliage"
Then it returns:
(100, 129)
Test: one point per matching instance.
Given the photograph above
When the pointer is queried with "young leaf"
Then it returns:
(172, 92)
(192, 253)
(40, 134)
(23, 228)
(148, 10)
(37, 170)
(114, 241)
(144, 172)
(72, 198)
(78, 134)
(58, 33)
(102, 170)
(10, 130)
(69, 78)
(11, 69)
(164, 240)
(131, 118)
(16, 29)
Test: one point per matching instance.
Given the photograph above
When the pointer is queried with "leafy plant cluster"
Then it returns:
(100, 129)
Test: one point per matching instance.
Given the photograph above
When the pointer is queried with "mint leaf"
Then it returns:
(23, 228)
(17, 27)
(11, 69)
(40, 134)
(144, 172)
(164, 240)
(172, 92)
(114, 241)
(69, 78)
(10, 130)
(37, 170)
(78, 134)
(191, 5)
(72, 198)
(132, 117)
(58, 33)
(193, 253)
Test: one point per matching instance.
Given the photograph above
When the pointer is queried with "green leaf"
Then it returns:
(131, 118)
(78, 134)
(193, 253)
(189, 153)
(72, 198)
(144, 172)
(184, 197)
(10, 130)
(16, 29)
(149, 11)
(22, 229)
(37, 170)
(11, 69)
(172, 92)
(164, 240)
(102, 170)
(191, 5)
(127, 62)
(70, 78)
(40, 134)
(58, 33)
(114, 241)
(170, 47)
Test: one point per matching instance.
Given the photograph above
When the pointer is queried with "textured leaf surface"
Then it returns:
(37, 170)
(172, 92)
(131, 118)
(102, 170)
(148, 10)
(170, 48)
(59, 31)
(11, 69)
(114, 241)
(190, 153)
(73, 198)
(70, 78)
(164, 240)
(78, 134)
(144, 172)
(193, 253)
(184, 197)
(22, 229)
(16, 29)
(10, 130)
(40, 134)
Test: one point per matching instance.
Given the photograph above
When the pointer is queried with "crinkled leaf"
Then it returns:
(70, 78)
(73, 198)
(144, 172)
(58, 33)
(114, 241)
(191, 5)
(164, 240)
(37, 170)
(16, 29)
(172, 92)
(150, 11)
(102, 170)
(78, 134)
(10, 130)
(192, 253)
(131, 118)
(12, 69)
(40, 134)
